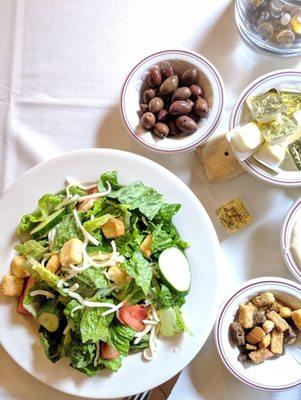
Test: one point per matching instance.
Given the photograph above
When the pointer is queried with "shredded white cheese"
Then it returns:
(140, 335)
(86, 234)
(75, 309)
(96, 195)
(61, 283)
(149, 322)
(51, 238)
(74, 287)
(45, 293)
(95, 362)
(113, 309)
(149, 353)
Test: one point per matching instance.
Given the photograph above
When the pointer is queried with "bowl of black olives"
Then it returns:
(172, 100)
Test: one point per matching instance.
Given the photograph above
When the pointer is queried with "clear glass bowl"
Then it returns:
(271, 25)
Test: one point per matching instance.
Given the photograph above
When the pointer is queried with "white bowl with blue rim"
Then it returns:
(282, 80)
(277, 373)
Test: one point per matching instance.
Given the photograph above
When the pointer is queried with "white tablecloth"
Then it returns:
(61, 70)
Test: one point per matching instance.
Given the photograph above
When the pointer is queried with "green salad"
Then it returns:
(103, 270)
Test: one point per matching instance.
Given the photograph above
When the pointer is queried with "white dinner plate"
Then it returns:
(18, 334)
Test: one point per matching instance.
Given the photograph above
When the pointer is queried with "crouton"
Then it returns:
(251, 347)
(277, 338)
(113, 228)
(276, 306)
(11, 285)
(259, 317)
(237, 333)
(290, 336)
(265, 299)
(17, 267)
(117, 275)
(245, 316)
(268, 326)
(146, 246)
(53, 263)
(255, 335)
(296, 316)
(279, 322)
(266, 341)
(285, 312)
(260, 356)
(71, 252)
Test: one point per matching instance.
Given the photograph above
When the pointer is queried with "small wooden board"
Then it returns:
(218, 160)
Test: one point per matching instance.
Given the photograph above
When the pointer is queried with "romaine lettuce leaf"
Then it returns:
(111, 177)
(90, 280)
(139, 268)
(143, 344)
(52, 344)
(32, 248)
(131, 292)
(40, 273)
(165, 236)
(65, 230)
(80, 354)
(171, 321)
(75, 319)
(47, 204)
(166, 298)
(137, 195)
(96, 223)
(166, 212)
(93, 325)
(121, 337)
(112, 365)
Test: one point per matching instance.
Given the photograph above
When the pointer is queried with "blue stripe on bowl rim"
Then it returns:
(219, 343)
(234, 122)
(215, 122)
(285, 239)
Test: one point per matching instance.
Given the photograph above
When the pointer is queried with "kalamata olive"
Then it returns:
(155, 105)
(163, 116)
(173, 129)
(181, 93)
(166, 70)
(186, 124)
(180, 107)
(194, 116)
(148, 95)
(143, 108)
(189, 77)
(154, 77)
(169, 85)
(161, 130)
(148, 120)
(190, 102)
(196, 91)
(201, 107)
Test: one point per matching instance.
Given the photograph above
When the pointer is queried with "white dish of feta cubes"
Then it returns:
(270, 163)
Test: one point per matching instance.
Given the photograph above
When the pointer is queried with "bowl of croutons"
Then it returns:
(258, 333)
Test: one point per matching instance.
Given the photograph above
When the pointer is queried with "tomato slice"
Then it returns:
(107, 352)
(27, 285)
(133, 316)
